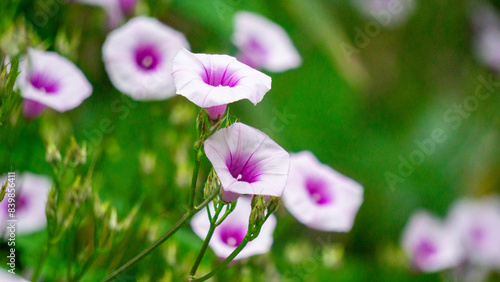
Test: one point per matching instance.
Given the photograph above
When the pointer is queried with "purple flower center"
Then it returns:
(22, 202)
(243, 168)
(254, 54)
(319, 191)
(232, 235)
(477, 235)
(45, 83)
(219, 75)
(147, 57)
(423, 251)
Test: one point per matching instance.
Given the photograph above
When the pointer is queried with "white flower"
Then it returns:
(138, 58)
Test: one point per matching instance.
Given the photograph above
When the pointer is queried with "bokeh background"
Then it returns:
(358, 112)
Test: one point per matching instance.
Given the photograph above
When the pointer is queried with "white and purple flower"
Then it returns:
(213, 81)
(430, 244)
(478, 224)
(263, 44)
(32, 191)
(320, 197)
(48, 79)
(231, 232)
(247, 161)
(388, 13)
(138, 58)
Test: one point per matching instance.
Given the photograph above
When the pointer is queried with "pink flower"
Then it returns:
(217, 80)
(31, 197)
(388, 13)
(263, 44)
(233, 229)
(247, 161)
(320, 197)
(138, 58)
(430, 244)
(115, 9)
(47, 79)
(478, 223)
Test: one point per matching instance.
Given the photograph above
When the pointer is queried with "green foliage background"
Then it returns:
(358, 114)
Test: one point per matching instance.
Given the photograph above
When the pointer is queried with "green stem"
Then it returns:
(226, 261)
(205, 243)
(149, 249)
(194, 179)
(41, 263)
(158, 242)
(229, 209)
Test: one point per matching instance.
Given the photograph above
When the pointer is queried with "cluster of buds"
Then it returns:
(107, 226)
(262, 208)
(75, 155)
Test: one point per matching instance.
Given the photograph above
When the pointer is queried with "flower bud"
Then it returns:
(52, 155)
(274, 204)
(75, 154)
(258, 214)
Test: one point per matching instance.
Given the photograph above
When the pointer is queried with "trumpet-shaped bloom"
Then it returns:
(478, 223)
(138, 58)
(430, 244)
(320, 197)
(217, 80)
(232, 231)
(31, 197)
(263, 44)
(47, 79)
(388, 13)
(247, 161)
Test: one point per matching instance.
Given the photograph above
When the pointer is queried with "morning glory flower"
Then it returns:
(388, 13)
(430, 244)
(247, 161)
(138, 58)
(233, 229)
(320, 197)
(213, 81)
(263, 44)
(478, 223)
(48, 79)
(32, 191)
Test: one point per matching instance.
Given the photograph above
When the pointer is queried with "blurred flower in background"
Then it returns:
(478, 224)
(32, 191)
(48, 79)
(138, 58)
(389, 13)
(486, 23)
(9, 277)
(320, 197)
(431, 244)
(116, 10)
(233, 229)
(213, 81)
(263, 44)
(247, 161)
